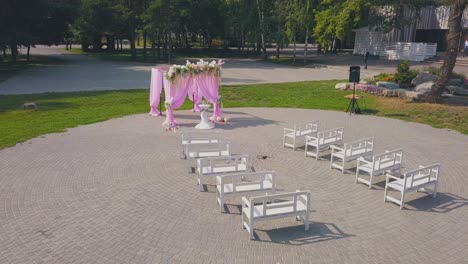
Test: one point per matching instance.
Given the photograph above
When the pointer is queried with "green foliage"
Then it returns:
(386, 77)
(404, 74)
(334, 18)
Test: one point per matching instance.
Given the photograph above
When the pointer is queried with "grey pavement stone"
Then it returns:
(117, 192)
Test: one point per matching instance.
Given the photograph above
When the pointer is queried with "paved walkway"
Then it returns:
(117, 192)
(84, 73)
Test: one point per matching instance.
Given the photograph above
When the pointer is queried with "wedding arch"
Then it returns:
(193, 80)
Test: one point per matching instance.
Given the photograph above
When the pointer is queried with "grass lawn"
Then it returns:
(8, 69)
(59, 111)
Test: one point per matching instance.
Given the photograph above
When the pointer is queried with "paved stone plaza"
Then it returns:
(118, 192)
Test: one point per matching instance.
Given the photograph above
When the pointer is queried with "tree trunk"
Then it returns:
(261, 17)
(4, 52)
(159, 44)
(153, 50)
(14, 52)
(165, 45)
(294, 53)
(132, 45)
(454, 34)
(169, 49)
(306, 45)
(277, 50)
(27, 54)
(144, 45)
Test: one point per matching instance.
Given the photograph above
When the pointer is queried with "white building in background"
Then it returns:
(418, 41)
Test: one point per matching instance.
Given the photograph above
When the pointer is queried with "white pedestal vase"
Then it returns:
(205, 122)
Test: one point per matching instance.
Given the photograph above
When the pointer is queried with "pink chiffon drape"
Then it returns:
(175, 93)
(208, 86)
(196, 87)
(156, 84)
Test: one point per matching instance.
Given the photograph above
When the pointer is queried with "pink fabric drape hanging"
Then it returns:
(208, 87)
(195, 96)
(201, 85)
(175, 94)
(155, 90)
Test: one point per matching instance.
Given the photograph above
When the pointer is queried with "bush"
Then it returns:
(384, 77)
(404, 74)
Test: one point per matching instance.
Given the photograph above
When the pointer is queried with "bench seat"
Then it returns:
(275, 206)
(412, 181)
(243, 184)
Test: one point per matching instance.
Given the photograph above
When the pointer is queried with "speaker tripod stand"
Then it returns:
(353, 107)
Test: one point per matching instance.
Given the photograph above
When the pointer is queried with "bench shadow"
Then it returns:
(443, 203)
(297, 236)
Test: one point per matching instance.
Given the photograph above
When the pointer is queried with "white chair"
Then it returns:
(299, 131)
(197, 137)
(379, 164)
(270, 207)
(412, 181)
(212, 166)
(238, 184)
(351, 151)
(324, 139)
(203, 150)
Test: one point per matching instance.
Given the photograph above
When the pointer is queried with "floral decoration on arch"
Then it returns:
(194, 68)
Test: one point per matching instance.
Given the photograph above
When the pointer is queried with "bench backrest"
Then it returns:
(260, 179)
(387, 159)
(200, 137)
(277, 204)
(215, 149)
(359, 146)
(330, 136)
(305, 128)
(421, 176)
(232, 163)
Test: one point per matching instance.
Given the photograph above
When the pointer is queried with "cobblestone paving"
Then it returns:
(118, 192)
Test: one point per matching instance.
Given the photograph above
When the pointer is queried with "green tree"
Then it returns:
(334, 18)
(19, 20)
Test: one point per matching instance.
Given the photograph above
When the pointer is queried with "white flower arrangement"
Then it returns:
(194, 68)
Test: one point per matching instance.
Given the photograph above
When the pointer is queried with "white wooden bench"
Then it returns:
(379, 164)
(239, 184)
(299, 131)
(351, 151)
(324, 139)
(198, 137)
(269, 207)
(412, 181)
(203, 150)
(213, 166)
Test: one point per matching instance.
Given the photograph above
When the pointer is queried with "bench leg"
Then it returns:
(342, 168)
(251, 229)
(434, 193)
(385, 192)
(221, 204)
(316, 158)
(402, 199)
(370, 179)
(357, 172)
(294, 143)
(331, 160)
(306, 221)
(200, 185)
